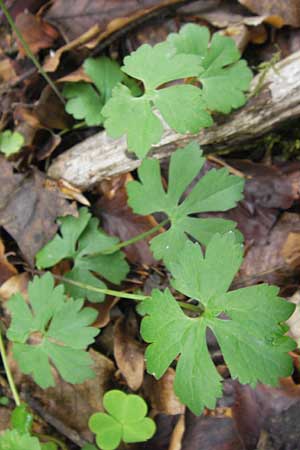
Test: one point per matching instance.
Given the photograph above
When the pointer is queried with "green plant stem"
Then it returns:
(75, 127)
(8, 372)
(47, 437)
(133, 240)
(121, 294)
(28, 50)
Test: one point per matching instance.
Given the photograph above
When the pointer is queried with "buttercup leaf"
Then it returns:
(84, 103)
(13, 440)
(223, 76)
(125, 420)
(216, 191)
(61, 327)
(182, 106)
(105, 74)
(82, 241)
(253, 343)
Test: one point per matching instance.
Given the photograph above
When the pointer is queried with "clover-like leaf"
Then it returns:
(223, 76)
(11, 142)
(216, 191)
(82, 241)
(125, 420)
(52, 328)
(182, 106)
(251, 335)
(14, 440)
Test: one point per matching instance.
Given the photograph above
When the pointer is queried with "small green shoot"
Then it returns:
(14, 440)
(51, 327)
(11, 142)
(21, 419)
(124, 421)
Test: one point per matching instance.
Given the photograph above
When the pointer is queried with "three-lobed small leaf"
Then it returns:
(125, 420)
(11, 142)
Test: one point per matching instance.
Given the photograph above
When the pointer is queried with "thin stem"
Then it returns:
(47, 437)
(121, 294)
(8, 372)
(88, 287)
(75, 127)
(28, 50)
(133, 240)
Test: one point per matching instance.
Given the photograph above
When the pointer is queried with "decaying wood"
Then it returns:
(278, 101)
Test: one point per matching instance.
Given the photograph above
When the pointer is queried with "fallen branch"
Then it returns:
(278, 101)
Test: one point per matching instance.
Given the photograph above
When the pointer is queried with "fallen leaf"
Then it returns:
(277, 12)
(104, 310)
(14, 285)
(294, 320)
(28, 210)
(161, 394)
(118, 219)
(37, 32)
(4, 418)
(128, 352)
(7, 270)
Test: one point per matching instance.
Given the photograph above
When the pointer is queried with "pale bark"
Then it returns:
(278, 101)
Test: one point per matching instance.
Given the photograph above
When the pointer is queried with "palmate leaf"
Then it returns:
(79, 239)
(182, 106)
(62, 327)
(251, 337)
(86, 102)
(224, 77)
(216, 191)
(14, 440)
(125, 420)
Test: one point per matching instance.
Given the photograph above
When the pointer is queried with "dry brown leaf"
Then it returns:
(7, 270)
(128, 352)
(104, 311)
(37, 32)
(28, 210)
(277, 12)
(294, 320)
(161, 394)
(177, 435)
(4, 418)
(14, 285)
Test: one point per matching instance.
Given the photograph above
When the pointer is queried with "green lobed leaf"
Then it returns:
(79, 239)
(60, 331)
(84, 102)
(14, 440)
(182, 106)
(105, 74)
(11, 142)
(223, 76)
(217, 190)
(125, 420)
(253, 343)
(21, 419)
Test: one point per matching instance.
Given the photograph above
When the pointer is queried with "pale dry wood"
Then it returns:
(278, 101)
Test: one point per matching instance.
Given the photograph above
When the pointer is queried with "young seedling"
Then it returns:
(11, 142)
(124, 421)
